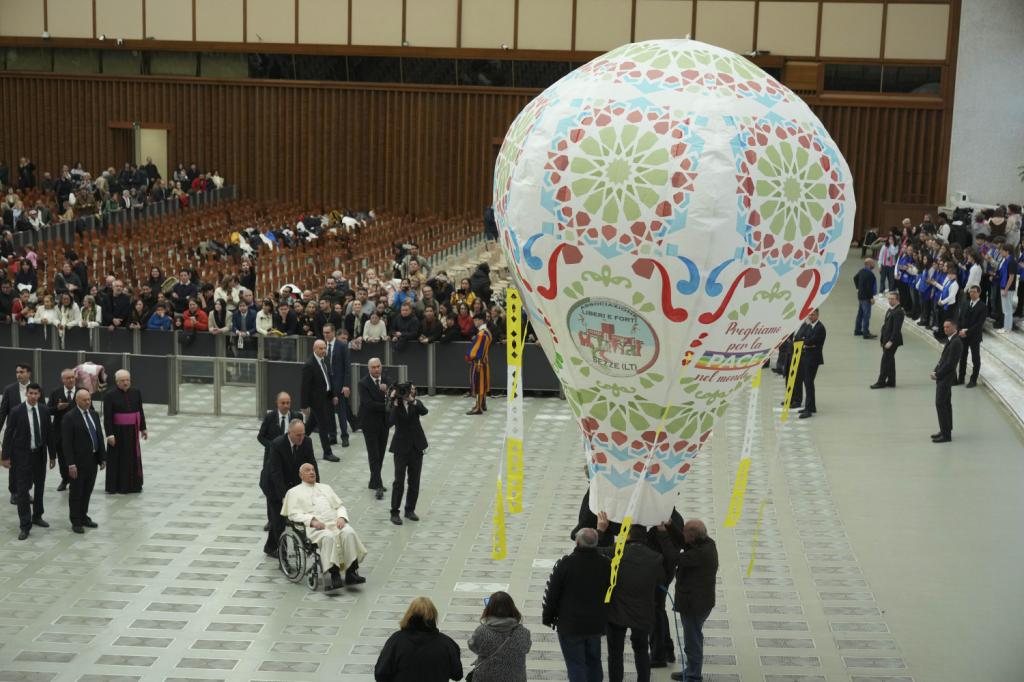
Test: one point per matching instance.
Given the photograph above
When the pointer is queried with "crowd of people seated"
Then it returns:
(934, 264)
(410, 304)
(31, 203)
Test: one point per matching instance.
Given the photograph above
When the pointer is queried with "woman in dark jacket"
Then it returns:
(418, 652)
(26, 277)
(501, 642)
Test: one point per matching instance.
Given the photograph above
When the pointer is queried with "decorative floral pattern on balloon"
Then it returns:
(607, 174)
(512, 147)
(790, 192)
(608, 411)
(653, 67)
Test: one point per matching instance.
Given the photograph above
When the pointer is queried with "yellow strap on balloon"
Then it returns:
(620, 547)
(794, 364)
(739, 488)
(499, 548)
(514, 414)
(627, 519)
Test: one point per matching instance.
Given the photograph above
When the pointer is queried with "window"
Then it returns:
(918, 80)
(853, 77)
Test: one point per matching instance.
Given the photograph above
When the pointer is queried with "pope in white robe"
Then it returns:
(318, 508)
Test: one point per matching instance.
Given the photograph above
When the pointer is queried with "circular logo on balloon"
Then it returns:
(612, 338)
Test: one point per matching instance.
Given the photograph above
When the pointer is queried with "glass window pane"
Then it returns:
(853, 77)
(912, 79)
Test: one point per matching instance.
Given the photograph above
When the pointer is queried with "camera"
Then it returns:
(401, 391)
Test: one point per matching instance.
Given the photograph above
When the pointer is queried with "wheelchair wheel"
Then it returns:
(291, 556)
(313, 577)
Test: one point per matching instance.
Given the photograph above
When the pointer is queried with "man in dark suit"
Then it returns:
(14, 395)
(61, 400)
(373, 419)
(27, 441)
(318, 397)
(972, 322)
(339, 366)
(408, 446)
(696, 572)
(275, 424)
(83, 445)
(944, 375)
(891, 340)
(811, 359)
(287, 454)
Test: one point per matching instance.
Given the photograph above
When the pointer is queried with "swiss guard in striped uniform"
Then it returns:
(480, 374)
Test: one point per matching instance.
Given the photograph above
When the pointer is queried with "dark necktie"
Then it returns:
(69, 395)
(36, 433)
(327, 358)
(283, 426)
(92, 431)
(327, 374)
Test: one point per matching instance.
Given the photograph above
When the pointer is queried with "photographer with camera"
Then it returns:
(408, 445)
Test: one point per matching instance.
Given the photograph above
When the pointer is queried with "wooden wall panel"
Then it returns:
(425, 150)
(419, 150)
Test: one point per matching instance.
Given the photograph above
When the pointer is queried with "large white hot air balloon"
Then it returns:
(670, 213)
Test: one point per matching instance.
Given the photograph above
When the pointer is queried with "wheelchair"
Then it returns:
(298, 556)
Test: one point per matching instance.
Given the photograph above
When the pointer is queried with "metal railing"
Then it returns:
(66, 231)
(212, 375)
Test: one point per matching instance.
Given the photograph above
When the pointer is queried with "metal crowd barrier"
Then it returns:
(211, 374)
(66, 231)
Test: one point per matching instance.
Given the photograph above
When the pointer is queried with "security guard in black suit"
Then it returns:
(891, 339)
(811, 359)
(287, 454)
(84, 454)
(972, 322)
(275, 424)
(944, 375)
(27, 441)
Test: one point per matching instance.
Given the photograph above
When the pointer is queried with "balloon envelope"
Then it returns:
(670, 213)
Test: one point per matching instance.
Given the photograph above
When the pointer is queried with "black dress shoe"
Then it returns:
(23, 535)
(78, 529)
(678, 676)
(936, 435)
(942, 439)
(62, 487)
(471, 412)
(344, 441)
(39, 522)
(870, 336)
(396, 519)
(353, 578)
(805, 414)
(876, 385)
(971, 384)
(411, 515)
(89, 523)
(379, 494)
(331, 458)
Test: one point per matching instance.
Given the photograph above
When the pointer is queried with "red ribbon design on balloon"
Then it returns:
(750, 277)
(572, 256)
(645, 268)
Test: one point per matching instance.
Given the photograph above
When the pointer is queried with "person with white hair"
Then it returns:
(124, 422)
(318, 508)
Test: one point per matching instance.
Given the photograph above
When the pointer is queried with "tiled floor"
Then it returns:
(857, 574)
